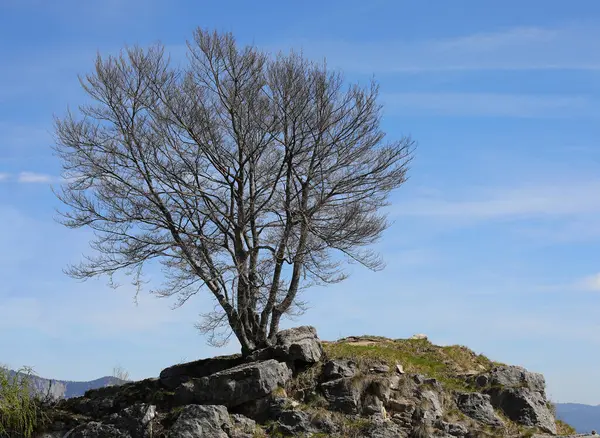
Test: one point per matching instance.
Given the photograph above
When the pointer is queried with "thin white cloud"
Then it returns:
(491, 105)
(4, 176)
(590, 283)
(570, 198)
(33, 177)
(521, 48)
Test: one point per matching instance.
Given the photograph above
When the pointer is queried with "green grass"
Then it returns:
(20, 408)
(416, 356)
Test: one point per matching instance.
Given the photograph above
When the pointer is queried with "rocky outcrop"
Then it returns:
(298, 347)
(478, 407)
(175, 375)
(235, 386)
(520, 395)
(199, 421)
(292, 389)
(524, 407)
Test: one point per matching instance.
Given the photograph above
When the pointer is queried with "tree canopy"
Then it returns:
(241, 173)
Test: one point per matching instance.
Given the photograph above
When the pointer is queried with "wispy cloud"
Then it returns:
(520, 48)
(4, 176)
(589, 283)
(570, 198)
(33, 177)
(491, 105)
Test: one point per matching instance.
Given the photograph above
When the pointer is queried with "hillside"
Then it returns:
(584, 418)
(355, 387)
(58, 389)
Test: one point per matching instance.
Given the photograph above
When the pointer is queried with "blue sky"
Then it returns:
(496, 234)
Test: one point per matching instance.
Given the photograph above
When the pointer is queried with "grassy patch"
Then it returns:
(20, 408)
(563, 428)
(416, 356)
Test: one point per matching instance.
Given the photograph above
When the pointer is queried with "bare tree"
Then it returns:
(120, 373)
(241, 173)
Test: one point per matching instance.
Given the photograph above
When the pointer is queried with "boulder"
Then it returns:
(339, 368)
(384, 429)
(264, 409)
(342, 395)
(175, 375)
(241, 427)
(234, 386)
(196, 421)
(453, 429)
(517, 377)
(298, 346)
(372, 405)
(294, 423)
(478, 406)
(433, 409)
(136, 419)
(94, 429)
(524, 406)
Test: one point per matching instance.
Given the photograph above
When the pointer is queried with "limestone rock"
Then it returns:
(298, 346)
(433, 409)
(175, 375)
(525, 407)
(342, 395)
(339, 368)
(135, 419)
(301, 344)
(234, 386)
(478, 406)
(196, 421)
(294, 423)
(517, 377)
(95, 429)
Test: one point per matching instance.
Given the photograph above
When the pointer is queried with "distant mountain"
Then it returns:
(68, 389)
(584, 418)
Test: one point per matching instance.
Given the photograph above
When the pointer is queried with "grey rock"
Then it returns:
(418, 379)
(372, 405)
(342, 395)
(234, 386)
(136, 419)
(401, 405)
(478, 406)
(301, 344)
(380, 369)
(298, 346)
(95, 429)
(524, 406)
(433, 406)
(242, 422)
(512, 377)
(339, 368)
(175, 375)
(294, 423)
(241, 427)
(453, 429)
(385, 429)
(197, 421)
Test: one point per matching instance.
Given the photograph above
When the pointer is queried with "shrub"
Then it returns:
(20, 407)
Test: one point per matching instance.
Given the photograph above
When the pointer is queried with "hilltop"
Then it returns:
(355, 387)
